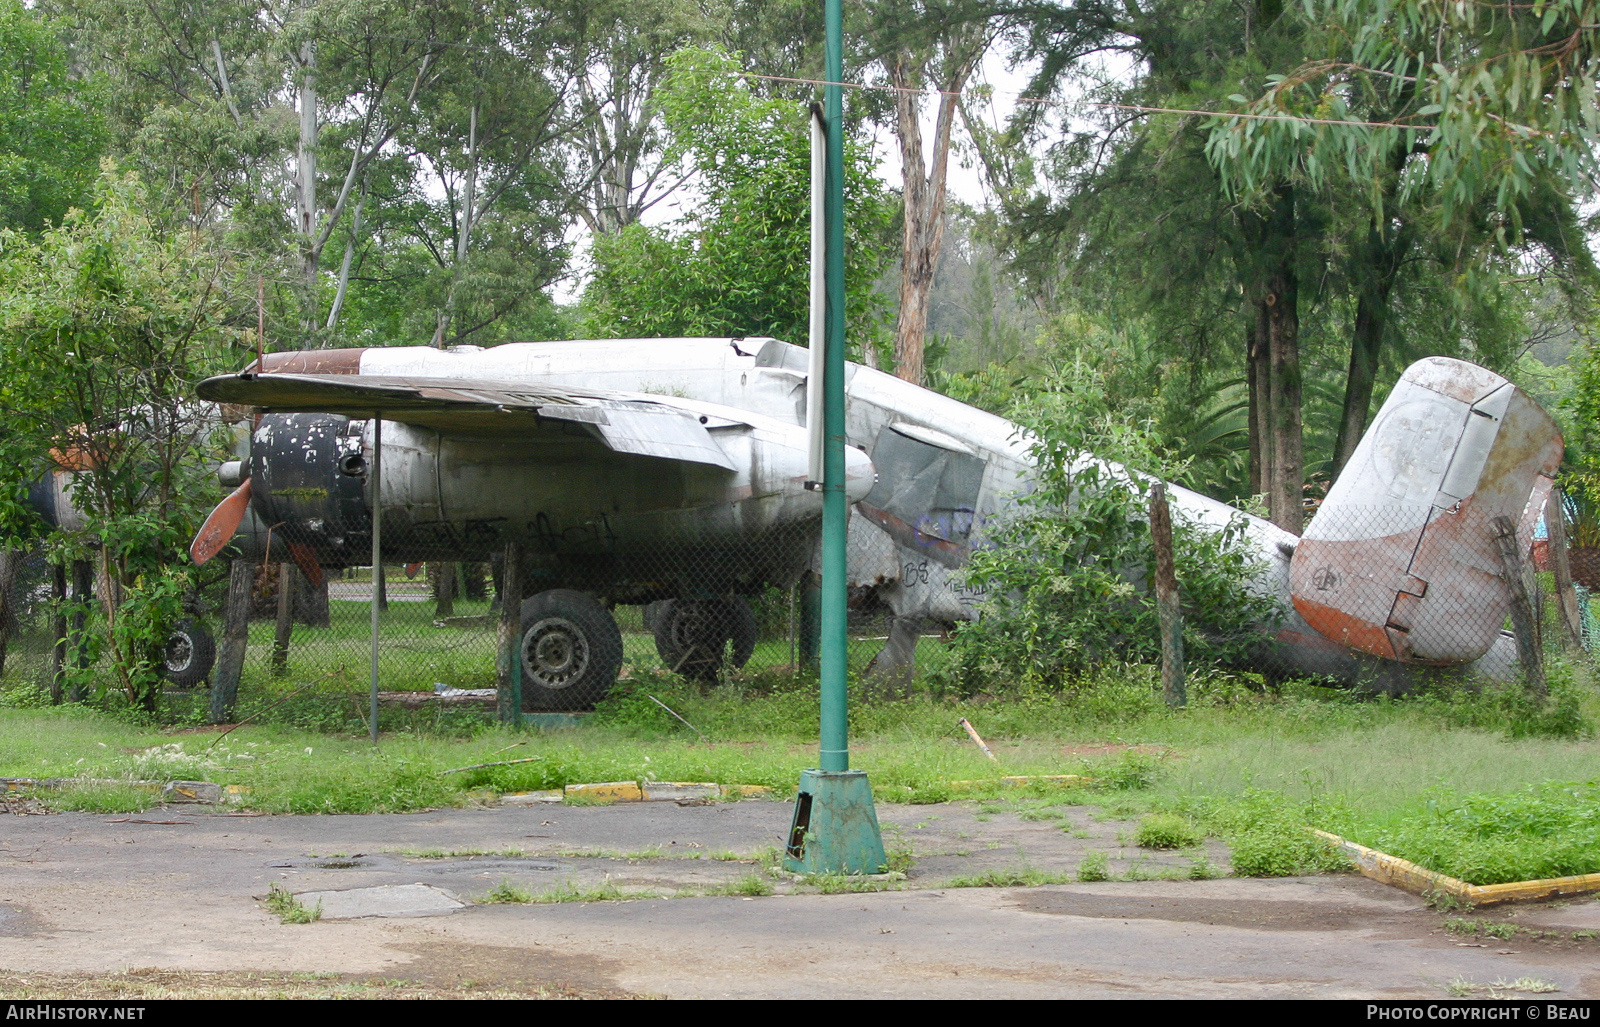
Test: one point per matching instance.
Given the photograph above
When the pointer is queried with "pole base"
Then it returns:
(835, 826)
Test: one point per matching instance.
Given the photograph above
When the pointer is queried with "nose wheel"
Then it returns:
(571, 651)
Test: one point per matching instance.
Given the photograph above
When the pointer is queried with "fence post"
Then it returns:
(446, 604)
(1505, 535)
(235, 636)
(509, 636)
(58, 626)
(285, 625)
(1167, 605)
(1555, 519)
(82, 588)
(9, 558)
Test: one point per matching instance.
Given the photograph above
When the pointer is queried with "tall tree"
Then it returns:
(929, 46)
(51, 125)
(1470, 126)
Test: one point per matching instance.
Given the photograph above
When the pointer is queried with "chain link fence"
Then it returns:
(588, 616)
(591, 612)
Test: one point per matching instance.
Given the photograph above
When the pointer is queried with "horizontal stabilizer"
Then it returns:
(1400, 560)
(624, 422)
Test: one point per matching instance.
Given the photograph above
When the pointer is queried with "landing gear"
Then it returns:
(571, 651)
(189, 654)
(694, 636)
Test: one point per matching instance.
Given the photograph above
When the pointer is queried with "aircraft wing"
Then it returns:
(624, 422)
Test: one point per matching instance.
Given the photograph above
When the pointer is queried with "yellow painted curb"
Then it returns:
(1021, 782)
(655, 791)
(1407, 876)
(606, 791)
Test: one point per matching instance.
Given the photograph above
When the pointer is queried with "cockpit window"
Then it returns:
(933, 490)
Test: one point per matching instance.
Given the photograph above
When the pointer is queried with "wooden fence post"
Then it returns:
(509, 636)
(235, 636)
(1505, 534)
(285, 626)
(1167, 605)
(1555, 520)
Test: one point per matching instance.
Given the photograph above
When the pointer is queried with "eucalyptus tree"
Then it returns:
(616, 60)
(925, 47)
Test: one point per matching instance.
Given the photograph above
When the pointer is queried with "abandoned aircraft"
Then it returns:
(673, 471)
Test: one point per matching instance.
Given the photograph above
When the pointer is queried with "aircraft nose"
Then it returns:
(859, 474)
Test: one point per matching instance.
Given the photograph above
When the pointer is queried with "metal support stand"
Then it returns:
(835, 825)
(835, 828)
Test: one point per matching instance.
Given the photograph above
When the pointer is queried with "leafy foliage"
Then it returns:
(51, 127)
(1067, 580)
(106, 326)
(739, 263)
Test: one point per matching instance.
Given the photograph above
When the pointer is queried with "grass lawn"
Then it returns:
(1442, 782)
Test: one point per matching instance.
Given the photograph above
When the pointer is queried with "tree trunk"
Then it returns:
(923, 195)
(306, 185)
(1258, 376)
(1288, 464)
(1366, 342)
(1272, 285)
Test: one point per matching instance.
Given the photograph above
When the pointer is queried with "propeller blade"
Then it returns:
(306, 559)
(219, 528)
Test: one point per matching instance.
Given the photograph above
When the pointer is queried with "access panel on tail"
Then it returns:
(1400, 560)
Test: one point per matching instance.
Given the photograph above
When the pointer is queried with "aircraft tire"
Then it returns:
(571, 651)
(189, 654)
(693, 635)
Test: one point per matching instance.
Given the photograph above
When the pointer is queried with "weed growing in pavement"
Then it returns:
(1168, 831)
(1011, 877)
(750, 886)
(569, 892)
(506, 891)
(838, 884)
(1095, 866)
(289, 909)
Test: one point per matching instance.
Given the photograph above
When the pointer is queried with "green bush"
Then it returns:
(1067, 579)
(1168, 831)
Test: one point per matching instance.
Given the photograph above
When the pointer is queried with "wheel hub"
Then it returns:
(180, 651)
(554, 653)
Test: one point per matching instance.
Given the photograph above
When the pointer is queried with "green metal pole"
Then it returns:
(377, 554)
(835, 827)
(835, 755)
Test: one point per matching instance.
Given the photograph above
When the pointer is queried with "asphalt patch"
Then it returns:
(1256, 914)
(452, 964)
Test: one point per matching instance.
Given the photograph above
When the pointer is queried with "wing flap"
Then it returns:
(624, 422)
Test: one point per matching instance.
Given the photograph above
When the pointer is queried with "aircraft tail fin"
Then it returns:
(1400, 560)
